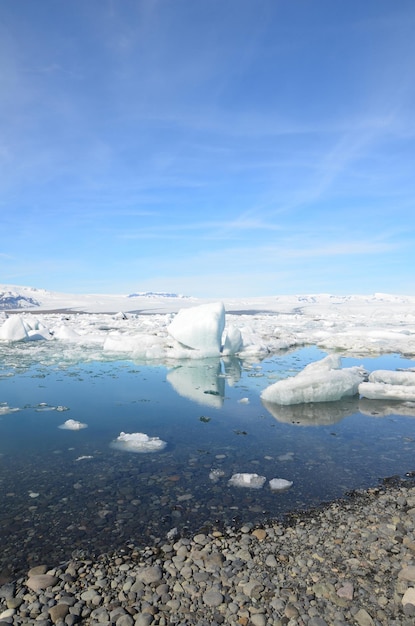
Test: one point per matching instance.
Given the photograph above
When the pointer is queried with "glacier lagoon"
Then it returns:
(67, 492)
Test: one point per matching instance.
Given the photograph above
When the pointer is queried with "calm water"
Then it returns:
(55, 503)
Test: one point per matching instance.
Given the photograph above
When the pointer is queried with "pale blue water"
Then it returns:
(101, 503)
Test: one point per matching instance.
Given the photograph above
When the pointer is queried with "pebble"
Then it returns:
(351, 563)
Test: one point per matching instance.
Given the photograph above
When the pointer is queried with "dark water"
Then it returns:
(54, 503)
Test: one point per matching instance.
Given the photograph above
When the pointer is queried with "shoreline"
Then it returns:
(351, 561)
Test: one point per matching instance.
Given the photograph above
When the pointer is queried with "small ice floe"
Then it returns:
(138, 442)
(215, 474)
(288, 456)
(322, 381)
(85, 456)
(244, 401)
(44, 406)
(280, 484)
(33, 494)
(62, 408)
(73, 425)
(5, 408)
(388, 385)
(251, 481)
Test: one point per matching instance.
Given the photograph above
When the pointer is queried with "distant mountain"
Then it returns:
(10, 300)
(152, 294)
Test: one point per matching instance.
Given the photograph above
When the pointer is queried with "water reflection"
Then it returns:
(383, 408)
(314, 414)
(199, 381)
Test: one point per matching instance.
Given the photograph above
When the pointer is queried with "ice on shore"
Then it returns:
(200, 328)
(250, 481)
(389, 385)
(322, 381)
(138, 442)
(73, 425)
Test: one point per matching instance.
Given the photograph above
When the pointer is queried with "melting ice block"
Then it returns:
(318, 382)
(14, 329)
(200, 328)
(73, 425)
(280, 484)
(389, 385)
(251, 481)
(138, 442)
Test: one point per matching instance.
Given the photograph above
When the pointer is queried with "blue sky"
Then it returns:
(212, 148)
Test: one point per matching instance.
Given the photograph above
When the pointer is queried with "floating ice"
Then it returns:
(252, 481)
(389, 385)
(73, 425)
(280, 484)
(84, 457)
(215, 474)
(200, 328)
(5, 408)
(321, 381)
(138, 442)
(13, 329)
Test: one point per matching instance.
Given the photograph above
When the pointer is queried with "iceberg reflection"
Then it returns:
(199, 380)
(315, 413)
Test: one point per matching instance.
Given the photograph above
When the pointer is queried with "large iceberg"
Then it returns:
(389, 385)
(321, 381)
(200, 328)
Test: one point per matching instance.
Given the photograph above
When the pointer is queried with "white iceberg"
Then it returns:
(321, 381)
(280, 484)
(73, 425)
(5, 409)
(251, 481)
(200, 328)
(14, 329)
(389, 385)
(138, 442)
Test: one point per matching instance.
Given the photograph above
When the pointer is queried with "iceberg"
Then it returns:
(200, 328)
(73, 425)
(251, 481)
(14, 329)
(321, 381)
(280, 484)
(389, 385)
(138, 442)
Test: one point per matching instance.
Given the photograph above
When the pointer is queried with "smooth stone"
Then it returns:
(124, 620)
(258, 619)
(143, 619)
(149, 575)
(38, 569)
(363, 618)
(409, 596)
(212, 597)
(58, 612)
(259, 533)
(7, 613)
(41, 581)
(407, 573)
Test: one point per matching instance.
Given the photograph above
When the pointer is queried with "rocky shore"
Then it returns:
(350, 562)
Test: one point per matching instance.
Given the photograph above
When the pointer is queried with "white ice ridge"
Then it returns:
(389, 385)
(73, 425)
(138, 442)
(322, 381)
(251, 481)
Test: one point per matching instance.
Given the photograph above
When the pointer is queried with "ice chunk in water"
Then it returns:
(14, 329)
(318, 382)
(200, 328)
(280, 484)
(138, 442)
(73, 425)
(389, 385)
(252, 481)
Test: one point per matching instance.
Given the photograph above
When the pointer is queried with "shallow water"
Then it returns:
(65, 492)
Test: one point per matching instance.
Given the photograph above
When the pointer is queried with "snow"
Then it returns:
(321, 381)
(138, 442)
